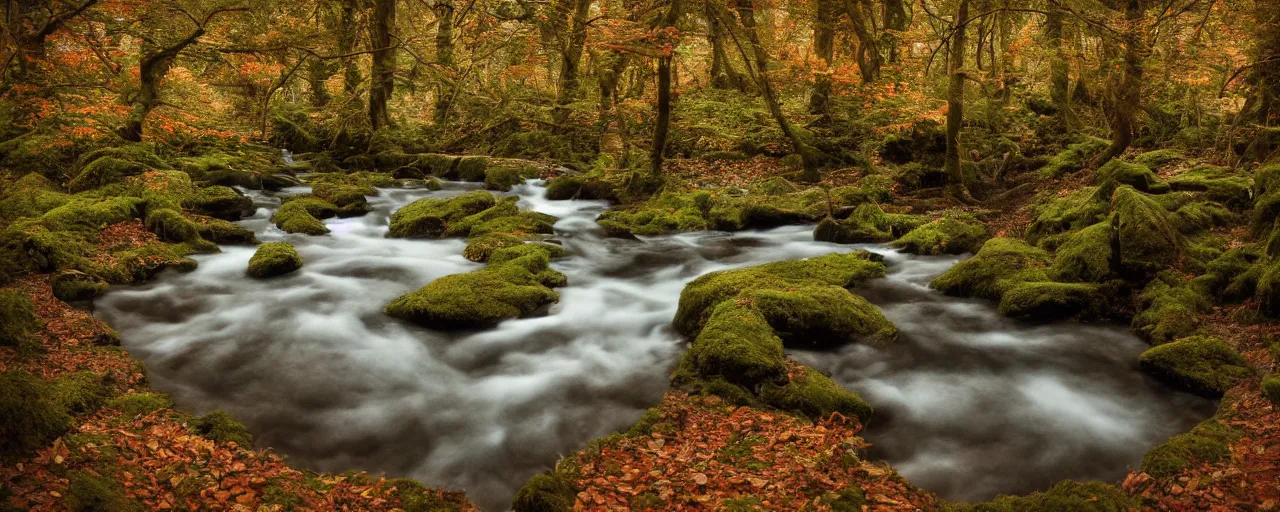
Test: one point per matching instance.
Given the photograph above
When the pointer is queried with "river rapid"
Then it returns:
(969, 404)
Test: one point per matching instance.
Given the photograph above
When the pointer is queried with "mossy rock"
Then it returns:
(431, 218)
(18, 320)
(30, 416)
(303, 216)
(480, 248)
(821, 317)
(1001, 264)
(31, 196)
(1169, 307)
(545, 492)
(1199, 216)
(953, 234)
(1087, 256)
(1271, 388)
(1050, 301)
(219, 202)
(92, 492)
(1080, 209)
(1137, 176)
(472, 168)
(103, 171)
(91, 215)
(815, 396)
(350, 199)
(223, 232)
(74, 285)
(502, 178)
(415, 497)
(133, 405)
(704, 293)
(221, 427)
(514, 284)
(274, 259)
(1217, 184)
(668, 212)
(867, 224)
(1207, 442)
(1158, 158)
(1199, 364)
(1233, 276)
(578, 187)
(1147, 239)
(1268, 289)
(1074, 158)
(1064, 496)
(172, 226)
(739, 346)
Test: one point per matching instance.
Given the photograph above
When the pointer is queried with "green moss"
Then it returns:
(348, 198)
(30, 415)
(274, 259)
(136, 404)
(18, 320)
(431, 218)
(224, 232)
(1216, 184)
(775, 187)
(300, 216)
(220, 202)
(1137, 176)
(1271, 388)
(669, 212)
(103, 171)
(849, 499)
(1064, 496)
(1268, 290)
(1232, 276)
(1001, 264)
(1050, 301)
(172, 226)
(1208, 442)
(91, 215)
(1148, 241)
(74, 285)
(510, 287)
(415, 497)
(221, 427)
(1080, 209)
(91, 492)
(821, 316)
(815, 396)
(472, 168)
(525, 224)
(1158, 158)
(80, 392)
(1074, 158)
(704, 293)
(953, 234)
(867, 224)
(579, 187)
(545, 492)
(1169, 307)
(479, 248)
(739, 346)
(1086, 255)
(31, 196)
(1199, 364)
(502, 178)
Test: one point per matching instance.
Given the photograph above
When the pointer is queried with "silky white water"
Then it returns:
(968, 403)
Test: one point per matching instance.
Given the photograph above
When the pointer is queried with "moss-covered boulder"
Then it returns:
(103, 171)
(1074, 158)
(669, 212)
(469, 168)
(172, 226)
(18, 320)
(821, 316)
(73, 285)
(1199, 364)
(221, 427)
(816, 396)
(1147, 240)
(1208, 442)
(1217, 184)
(1268, 288)
(1064, 496)
(1232, 276)
(30, 416)
(431, 218)
(1001, 264)
(515, 283)
(31, 196)
(952, 234)
(1050, 301)
(1137, 176)
(1080, 209)
(1158, 158)
(87, 214)
(1087, 256)
(737, 345)
(274, 259)
(502, 178)
(866, 224)
(303, 215)
(219, 202)
(1199, 216)
(1169, 307)
(1271, 388)
(223, 232)
(579, 187)
(350, 199)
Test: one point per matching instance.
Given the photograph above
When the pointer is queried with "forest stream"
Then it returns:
(968, 403)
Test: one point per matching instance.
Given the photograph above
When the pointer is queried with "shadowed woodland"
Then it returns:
(1088, 163)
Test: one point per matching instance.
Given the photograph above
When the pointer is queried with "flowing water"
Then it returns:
(969, 404)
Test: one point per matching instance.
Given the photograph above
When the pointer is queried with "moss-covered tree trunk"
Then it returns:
(1126, 82)
(574, 38)
(955, 103)
(723, 75)
(746, 13)
(824, 34)
(663, 123)
(1267, 60)
(151, 70)
(347, 44)
(895, 22)
(1059, 76)
(444, 58)
(869, 58)
(382, 77)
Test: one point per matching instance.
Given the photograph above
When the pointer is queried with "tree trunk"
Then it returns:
(1060, 78)
(746, 13)
(318, 73)
(1126, 93)
(570, 57)
(444, 57)
(382, 79)
(151, 71)
(723, 76)
(869, 59)
(663, 123)
(895, 21)
(955, 104)
(824, 35)
(347, 44)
